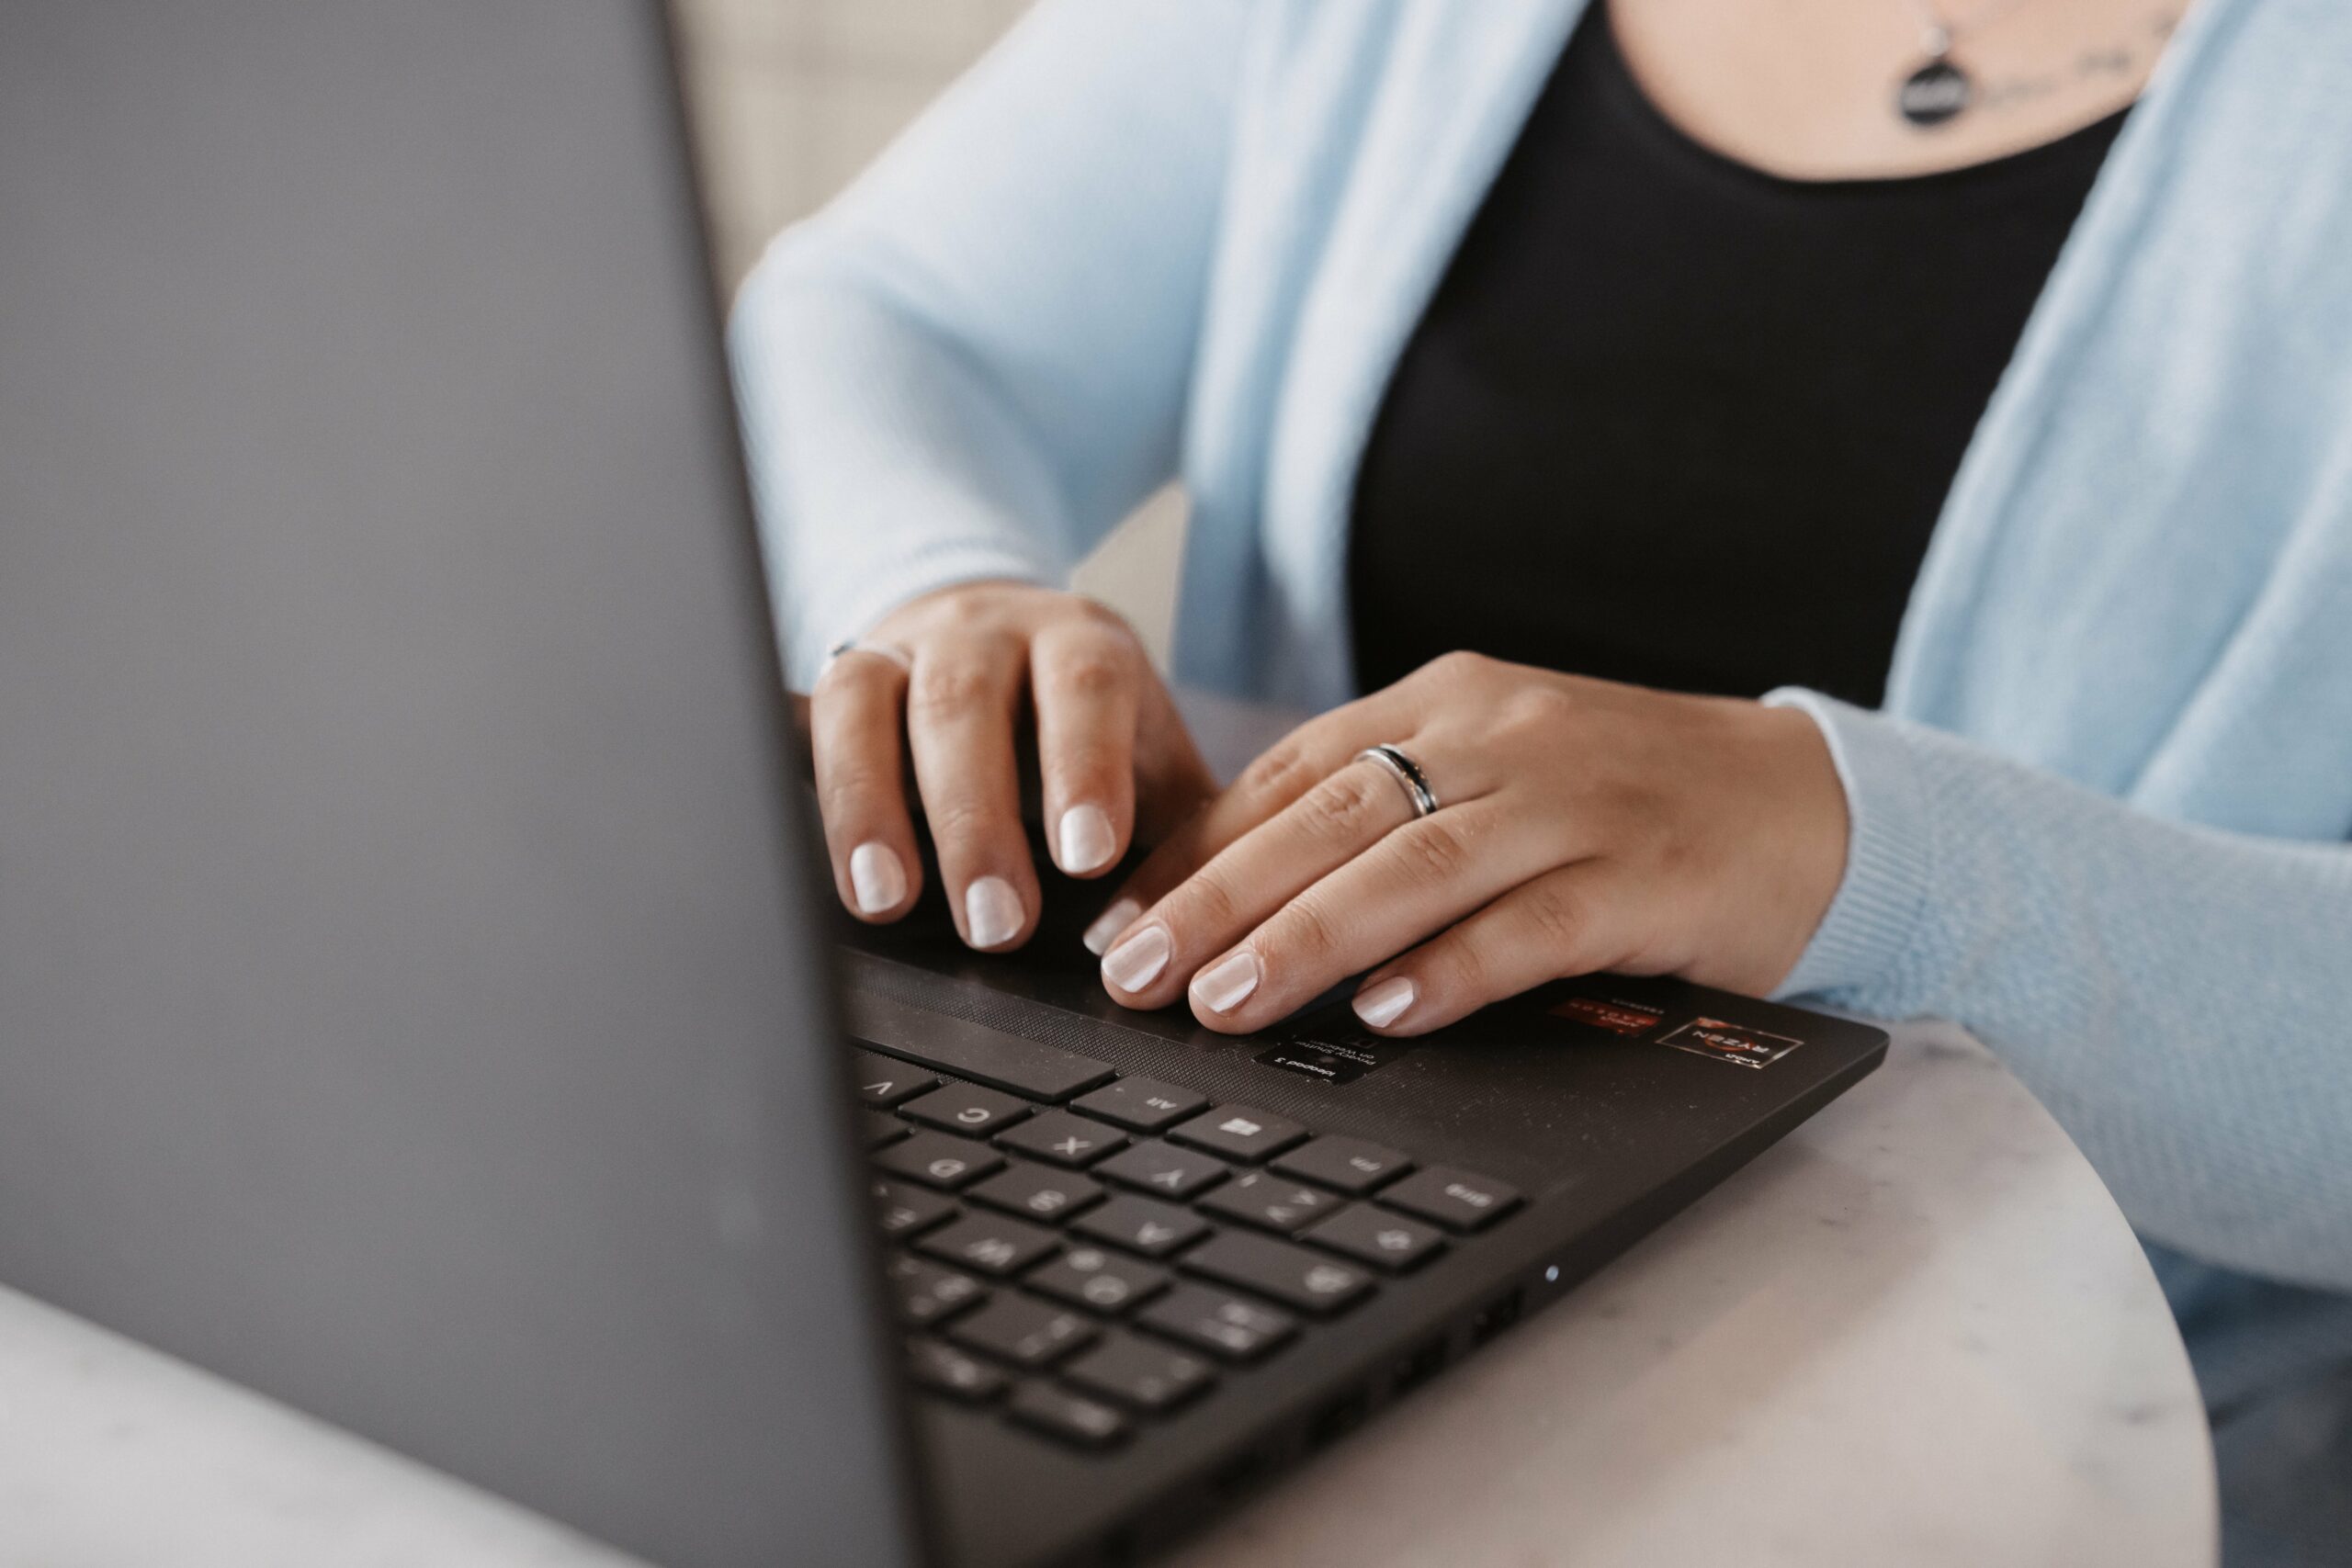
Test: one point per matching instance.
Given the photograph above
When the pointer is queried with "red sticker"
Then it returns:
(1618, 1018)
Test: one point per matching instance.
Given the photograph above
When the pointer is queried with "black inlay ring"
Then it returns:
(1407, 772)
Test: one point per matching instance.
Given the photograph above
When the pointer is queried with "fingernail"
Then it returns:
(1135, 963)
(877, 877)
(991, 912)
(1086, 840)
(1224, 983)
(1109, 923)
(1385, 1003)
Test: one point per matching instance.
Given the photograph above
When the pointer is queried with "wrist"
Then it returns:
(1881, 903)
(1801, 842)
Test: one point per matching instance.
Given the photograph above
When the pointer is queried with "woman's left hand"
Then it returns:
(1582, 826)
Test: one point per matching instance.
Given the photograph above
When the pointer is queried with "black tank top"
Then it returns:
(1674, 421)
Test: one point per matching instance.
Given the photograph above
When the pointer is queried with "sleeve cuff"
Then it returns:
(1872, 929)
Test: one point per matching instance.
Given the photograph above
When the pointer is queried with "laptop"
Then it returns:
(417, 999)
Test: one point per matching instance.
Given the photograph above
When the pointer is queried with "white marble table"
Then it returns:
(1916, 1333)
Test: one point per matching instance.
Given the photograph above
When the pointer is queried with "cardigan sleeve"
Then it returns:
(974, 362)
(2178, 997)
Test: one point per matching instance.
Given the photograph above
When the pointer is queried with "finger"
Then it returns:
(1172, 786)
(962, 700)
(855, 718)
(1250, 878)
(1417, 881)
(1574, 920)
(1279, 776)
(1084, 679)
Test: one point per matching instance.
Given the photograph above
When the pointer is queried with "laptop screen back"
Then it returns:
(409, 1005)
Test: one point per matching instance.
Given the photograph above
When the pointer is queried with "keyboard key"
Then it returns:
(1241, 1132)
(1380, 1238)
(906, 1210)
(882, 1082)
(1039, 1191)
(1345, 1165)
(1026, 1333)
(992, 1244)
(967, 1108)
(1164, 1169)
(1291, 1275)
(1271, 1202)
(1102, 1282)
(881, 1128)
(1061, 1138)
(1224, 1326)
(952, 1373)
(975, 1052)
(940, 1161)
(1073, 1419)
(1142, 1105)
(1142, 1224)
(928, 1293)
(1139, 1374)
(1458, 1200)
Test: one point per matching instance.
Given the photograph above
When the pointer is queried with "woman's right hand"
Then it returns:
(949, 678)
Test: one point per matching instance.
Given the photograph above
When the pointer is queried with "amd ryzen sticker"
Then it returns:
(1730, 1043)
(1617, 1017)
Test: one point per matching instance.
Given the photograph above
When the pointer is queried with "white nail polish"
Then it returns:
(992, 912)
(1385, 1003)
(1225, 984)
(876, 878)
(1137, 962)
(1085, 840)
(1121, 914)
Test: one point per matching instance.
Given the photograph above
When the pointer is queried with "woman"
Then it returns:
(1570, 378)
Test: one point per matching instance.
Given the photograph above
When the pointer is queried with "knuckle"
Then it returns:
(1435, 852)
(1344, 806)
(941, 690)
(1099, 618)
(1308, 933)
(1553, 920)
(1458, 667)
(968, 609)
(1466, 972)
(961, 819)
(1537, 710)
(850, 785)
(1282, 770)
(1206, 903)
(1092, 675)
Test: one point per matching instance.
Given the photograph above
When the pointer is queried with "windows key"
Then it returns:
(1241, 1132)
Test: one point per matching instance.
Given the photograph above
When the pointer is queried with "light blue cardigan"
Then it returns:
(2104, 819)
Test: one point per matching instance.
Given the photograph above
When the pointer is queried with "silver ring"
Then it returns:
(1407, 772)
(890, 652)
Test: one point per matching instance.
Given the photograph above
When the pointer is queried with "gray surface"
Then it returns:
(396, 943)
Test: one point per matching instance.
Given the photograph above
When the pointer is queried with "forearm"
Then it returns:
(975, 361)
(882, 465)
(2177, 996)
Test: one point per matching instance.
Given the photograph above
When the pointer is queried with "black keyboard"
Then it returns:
(1085, 1251)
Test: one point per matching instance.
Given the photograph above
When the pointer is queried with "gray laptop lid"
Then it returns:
(408, 1005)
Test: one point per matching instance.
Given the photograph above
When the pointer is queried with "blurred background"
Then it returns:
(791, 98)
